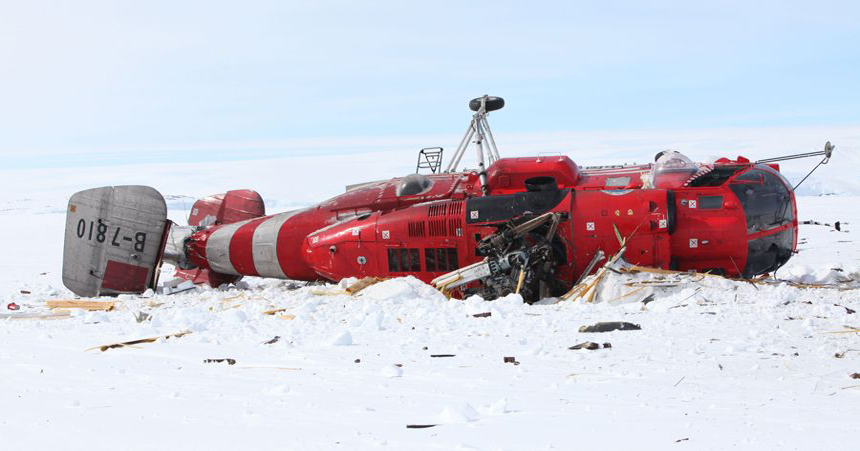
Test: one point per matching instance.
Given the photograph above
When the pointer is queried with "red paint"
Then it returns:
(659, 223)
(124, 277)
(242, 250)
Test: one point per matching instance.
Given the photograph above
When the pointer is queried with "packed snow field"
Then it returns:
(717, 363)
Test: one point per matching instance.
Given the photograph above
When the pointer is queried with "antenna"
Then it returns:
(479, 129)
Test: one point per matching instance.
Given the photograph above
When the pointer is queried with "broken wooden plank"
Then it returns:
(81, 304)
(286, 317)
(362, 284)
(54, 315)
(123, 344)
(273, 311)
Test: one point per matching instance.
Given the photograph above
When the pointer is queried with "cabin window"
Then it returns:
(617, 181)
(404, 260)
(710, 202)
(440, 259)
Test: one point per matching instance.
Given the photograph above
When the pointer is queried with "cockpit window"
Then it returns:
(765, 199)
(671, 170)
(413, 184)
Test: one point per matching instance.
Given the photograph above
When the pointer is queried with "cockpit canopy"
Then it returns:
(671, 170)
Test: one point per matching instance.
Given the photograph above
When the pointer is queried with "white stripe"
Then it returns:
(218, 248)
(265, 245)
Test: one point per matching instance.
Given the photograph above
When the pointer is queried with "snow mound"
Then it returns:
(402, 289)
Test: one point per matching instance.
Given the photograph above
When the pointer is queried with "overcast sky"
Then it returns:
(136, 80)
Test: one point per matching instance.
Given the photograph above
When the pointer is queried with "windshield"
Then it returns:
(765, 198)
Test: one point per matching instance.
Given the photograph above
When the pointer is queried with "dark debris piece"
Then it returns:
(273, 340)
(228, 361)
(483, 315)
(420, 426)
(511, 360)
(855, 376)
(610, 326)
(590, 345)
(443, 355)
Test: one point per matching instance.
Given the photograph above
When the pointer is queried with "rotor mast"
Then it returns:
(479, 130)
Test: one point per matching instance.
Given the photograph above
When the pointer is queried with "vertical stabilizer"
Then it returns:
(114, 240)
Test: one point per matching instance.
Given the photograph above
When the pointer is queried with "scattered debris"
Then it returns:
(610, 326)
(104, 348)
(483, 315)
(590, 345)
(81, 304)
(228, 361)
(682, 440)
(273, 340)
(177, 286)
(273, 311)
(25, 291)
(837, 225)
(286, 317)
(511, 360)
(142, 316)
(855, 376)
(420, 426)
(848, 330)
(55, 315)
(13, 306)
(357, 361)
(679, 381)
(849, 311)
(443, 355)
(362, 284)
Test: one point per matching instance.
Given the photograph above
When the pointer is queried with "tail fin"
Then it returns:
(114, 240)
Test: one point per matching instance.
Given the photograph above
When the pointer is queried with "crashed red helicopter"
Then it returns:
(535, 225)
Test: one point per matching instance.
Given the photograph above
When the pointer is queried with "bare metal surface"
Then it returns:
(124, 213)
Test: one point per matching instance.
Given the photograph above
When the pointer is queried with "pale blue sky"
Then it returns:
(131, 79)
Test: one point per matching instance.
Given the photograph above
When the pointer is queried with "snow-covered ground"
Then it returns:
(717, 364)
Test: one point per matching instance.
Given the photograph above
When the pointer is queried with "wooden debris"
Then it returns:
(82, 304)
(848, 330)
(589, 290)
(273, 311)
(25, 291)
(273, 340)
(420, 426)
(328, 292)
(443, 355)
(104, 348)
(286, 317)
(609, 327)
(228, 361)
(362, 284)
(55, 315)
(483, 315)
(855, 376)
